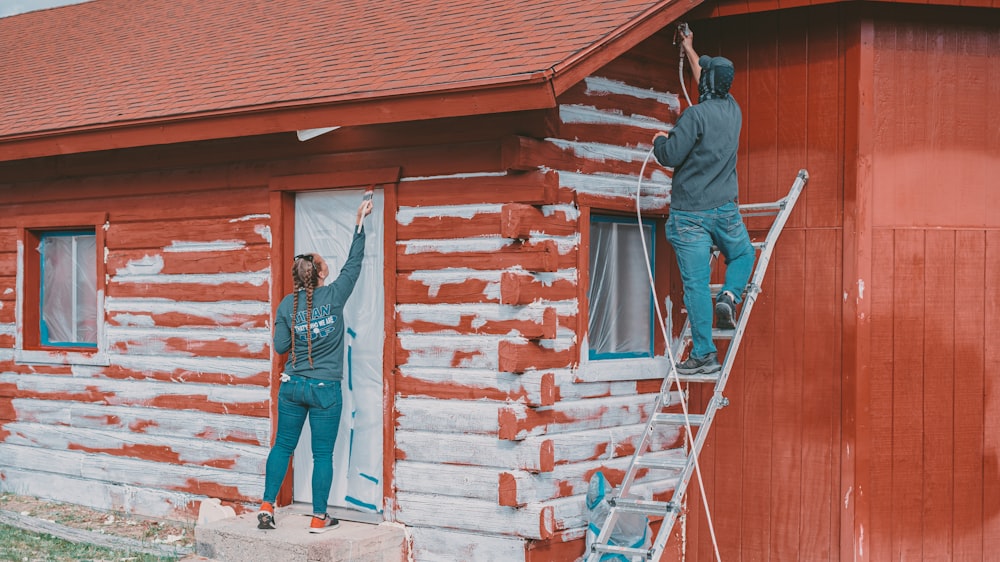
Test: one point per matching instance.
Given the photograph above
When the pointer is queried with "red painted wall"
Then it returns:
(935, 486)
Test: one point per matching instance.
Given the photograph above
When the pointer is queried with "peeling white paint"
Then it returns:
(133, 320)
(220, 311)
(451, 314)
(591, 114)
(236, 367)
(249, 218)
(656, 189)
(847, 497)
(8, 291)
(571, 211)
(602, 152)
(216, 246)
(264, 231)
(123, 392)
(147, 265)
(405, 215)
(455, 176)
(861, 289)
(434, 279)
(8, 329)
(547, 278)
(861, 540)
(256, 278)
(565, 244)
(255, 339)
(598, 86)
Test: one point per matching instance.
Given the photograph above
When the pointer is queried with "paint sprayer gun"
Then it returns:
(681, 32)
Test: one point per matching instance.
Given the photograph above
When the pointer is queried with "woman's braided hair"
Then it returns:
(305, 275)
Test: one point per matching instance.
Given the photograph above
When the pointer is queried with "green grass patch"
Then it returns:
(18, 545)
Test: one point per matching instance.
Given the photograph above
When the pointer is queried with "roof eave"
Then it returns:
(587, 61)
(518, 93)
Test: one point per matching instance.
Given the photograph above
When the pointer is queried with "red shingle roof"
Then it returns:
(109, 63)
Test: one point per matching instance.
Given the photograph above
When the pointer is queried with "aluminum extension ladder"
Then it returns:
(646, 459)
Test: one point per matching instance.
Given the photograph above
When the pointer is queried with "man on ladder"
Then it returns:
(703, 204)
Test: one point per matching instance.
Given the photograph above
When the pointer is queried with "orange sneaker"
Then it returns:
(323, 524)
(265, 517)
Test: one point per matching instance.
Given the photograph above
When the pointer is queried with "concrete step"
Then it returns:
(237, 539)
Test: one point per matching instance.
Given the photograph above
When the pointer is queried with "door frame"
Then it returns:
(282, 208)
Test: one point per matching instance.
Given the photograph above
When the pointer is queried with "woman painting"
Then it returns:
(309, 326)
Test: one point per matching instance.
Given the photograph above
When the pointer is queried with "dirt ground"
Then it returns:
(118, 524)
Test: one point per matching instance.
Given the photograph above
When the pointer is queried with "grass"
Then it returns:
(18, 545)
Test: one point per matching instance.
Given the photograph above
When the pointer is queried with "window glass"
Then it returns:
(69, 289)
(620, 299)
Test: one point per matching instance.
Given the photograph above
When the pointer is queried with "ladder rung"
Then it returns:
(678, 419)
(667, 463)
(717, 334)
(700, 377)
(644, 507)
(758, 246)
(720, 334)
(770, 206)
(646, 553)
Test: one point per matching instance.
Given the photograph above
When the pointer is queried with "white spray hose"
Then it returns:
(669, 351)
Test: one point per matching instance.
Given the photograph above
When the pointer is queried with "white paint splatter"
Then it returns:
(216, 246)
(8, 291)
(598, 86)
(593, 115)
(861, 289)
(847, 497)
(7, 329)
(406, 215)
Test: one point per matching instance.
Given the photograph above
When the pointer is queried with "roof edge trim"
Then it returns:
(521, 93)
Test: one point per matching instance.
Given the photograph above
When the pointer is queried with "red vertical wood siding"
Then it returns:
(772, 461)
(934, 484)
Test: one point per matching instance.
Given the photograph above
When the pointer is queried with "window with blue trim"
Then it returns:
(68, 292)
(620, 300)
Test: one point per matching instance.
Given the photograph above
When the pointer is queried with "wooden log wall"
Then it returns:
(181, 411)
(497, 436)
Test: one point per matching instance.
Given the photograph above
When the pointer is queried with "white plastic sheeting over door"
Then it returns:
(324, 224)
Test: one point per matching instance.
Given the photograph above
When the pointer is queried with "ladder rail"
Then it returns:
(716, 402)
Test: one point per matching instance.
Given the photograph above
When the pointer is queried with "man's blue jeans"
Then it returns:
(692, 234)
(321, 402)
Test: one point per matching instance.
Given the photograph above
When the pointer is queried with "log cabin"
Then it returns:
(161, 162)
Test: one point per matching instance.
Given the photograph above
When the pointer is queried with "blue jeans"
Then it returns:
(321, 402)
(692, 234)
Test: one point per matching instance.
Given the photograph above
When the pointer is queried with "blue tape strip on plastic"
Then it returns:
(360, 503)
